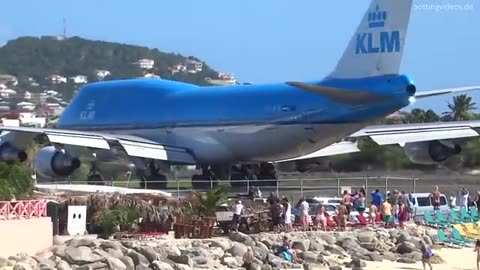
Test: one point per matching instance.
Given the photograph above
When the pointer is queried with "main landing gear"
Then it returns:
(263, 174)
(151, 176)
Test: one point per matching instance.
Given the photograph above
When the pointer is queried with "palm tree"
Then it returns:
(416, 116)
(431, 116)
(206, 203)
(460, 109)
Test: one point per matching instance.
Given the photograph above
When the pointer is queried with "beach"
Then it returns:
(456, 259)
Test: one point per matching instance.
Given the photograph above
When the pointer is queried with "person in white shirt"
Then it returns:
(287, 214)
(304, 209)
(464, 198)
(237, 214)
(452, 200)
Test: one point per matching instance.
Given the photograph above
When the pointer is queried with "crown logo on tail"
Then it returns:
(377, 18)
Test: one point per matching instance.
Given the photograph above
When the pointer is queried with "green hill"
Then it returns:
(37, 58)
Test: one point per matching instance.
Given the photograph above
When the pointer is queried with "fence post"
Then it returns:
(278, 183)
(366, 185)
(338, 186)
(301, 185)
(386, 185)
(248, 185)
(415, 184)
(178, 186)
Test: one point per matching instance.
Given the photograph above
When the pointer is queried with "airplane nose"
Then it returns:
(411, 90)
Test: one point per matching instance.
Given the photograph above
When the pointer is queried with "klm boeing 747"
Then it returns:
(260, 125)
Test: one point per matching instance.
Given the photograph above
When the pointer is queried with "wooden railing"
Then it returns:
(11, 210)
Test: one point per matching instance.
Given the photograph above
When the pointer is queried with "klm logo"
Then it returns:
(377, 42)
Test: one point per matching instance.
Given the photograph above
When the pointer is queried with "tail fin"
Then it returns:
(377, 46)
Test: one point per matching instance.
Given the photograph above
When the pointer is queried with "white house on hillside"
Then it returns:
(145, 63)
(194, 66)
(101, 74)
(7, 92)
(57, 79)
(79, 79)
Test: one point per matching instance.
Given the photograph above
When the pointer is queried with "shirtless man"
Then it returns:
(435, 195)
(347, 201)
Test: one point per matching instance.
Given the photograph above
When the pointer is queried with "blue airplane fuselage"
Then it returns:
(237, 123)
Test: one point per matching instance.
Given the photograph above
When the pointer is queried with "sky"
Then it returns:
(267, 40)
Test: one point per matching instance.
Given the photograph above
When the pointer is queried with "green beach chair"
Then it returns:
(430, 221)
(456, 236)
(464, 215)
(440, 217)
(474, 213)
(454, 217)
(447, 240)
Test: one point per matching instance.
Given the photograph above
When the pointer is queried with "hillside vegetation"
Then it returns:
(37, 58)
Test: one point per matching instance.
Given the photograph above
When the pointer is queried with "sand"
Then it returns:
(456, 259)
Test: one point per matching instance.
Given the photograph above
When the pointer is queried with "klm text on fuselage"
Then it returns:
(378, 42)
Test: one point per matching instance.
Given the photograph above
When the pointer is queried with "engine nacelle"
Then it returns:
(10, 153)
(53, 163)
(431, 152)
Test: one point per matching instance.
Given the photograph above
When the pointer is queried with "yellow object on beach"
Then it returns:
(467, 230)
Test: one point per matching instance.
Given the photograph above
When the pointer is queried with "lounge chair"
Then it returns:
(440, 217)
(454, 216)
(474, 213)
(458, 237)
(435, 223)
(447, 240)
(472, 231)
(464, 215)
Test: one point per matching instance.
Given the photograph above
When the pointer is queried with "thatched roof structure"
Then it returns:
(153, 207)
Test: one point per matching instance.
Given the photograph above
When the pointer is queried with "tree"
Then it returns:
(460, 109)
(206, 203)
(15, 181)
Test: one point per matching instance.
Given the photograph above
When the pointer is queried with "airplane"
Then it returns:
(256, 125)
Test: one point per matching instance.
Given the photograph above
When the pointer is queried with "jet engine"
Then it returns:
(53, 163)
(431, 152)
(10, 153)
(302, 166)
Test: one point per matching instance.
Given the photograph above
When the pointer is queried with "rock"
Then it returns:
(238, 249)
(115, 264)
(366, 237)
(78, 242)
(239, 237)
(137, 258)
(157, 265)
(148, 252)
(116, 253)
(405, 247)
(389, 256)
(308, 257)
(92, 266)
(128, 261)
(3, 262)
(224, 244)
(334, 249)
(80, 255)
(311, 266)
(335, 267)
(43, 256)
(328, 237)
(231, 262)
(22, 266)
(63, 265)
(200, 260)
(374, 257)
(302, 245)
(182, 259)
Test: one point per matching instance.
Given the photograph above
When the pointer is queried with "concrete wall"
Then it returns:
(25, 235)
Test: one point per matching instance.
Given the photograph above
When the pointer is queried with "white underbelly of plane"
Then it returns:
(212, 145)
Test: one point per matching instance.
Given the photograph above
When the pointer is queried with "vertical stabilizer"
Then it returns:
(377, 46)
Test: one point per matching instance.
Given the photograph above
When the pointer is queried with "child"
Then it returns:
(426, 254)
(477, 249)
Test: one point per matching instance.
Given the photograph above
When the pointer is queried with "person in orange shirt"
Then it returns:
(386, 211)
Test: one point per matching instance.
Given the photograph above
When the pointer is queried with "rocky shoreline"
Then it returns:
(316, 251)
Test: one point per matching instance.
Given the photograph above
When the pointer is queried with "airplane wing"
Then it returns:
(438, 92)
(399, 134)
(131, 145)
